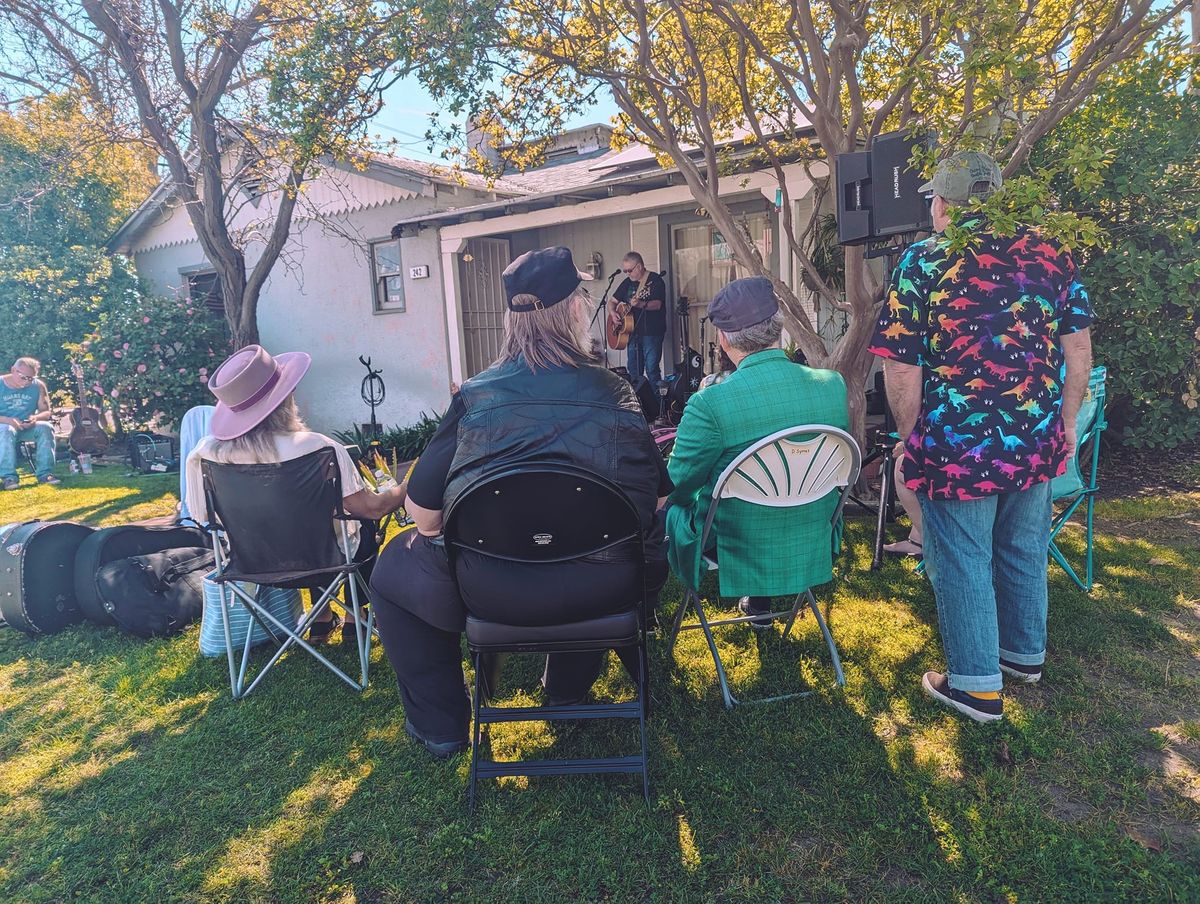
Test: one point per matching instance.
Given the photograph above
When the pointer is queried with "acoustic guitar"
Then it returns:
(87, 436)
(617, 334)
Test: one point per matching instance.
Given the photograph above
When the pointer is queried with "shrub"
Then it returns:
(149, 357)
(405, 443)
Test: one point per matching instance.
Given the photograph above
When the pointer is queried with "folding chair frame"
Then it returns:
(692, 599)
(1086, 496)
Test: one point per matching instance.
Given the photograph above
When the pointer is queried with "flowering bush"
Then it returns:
(149, 357)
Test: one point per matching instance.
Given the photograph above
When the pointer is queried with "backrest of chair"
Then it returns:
(277, 516)
(1089, 424)
(541, 514)
(791, 467)
(1091, 410)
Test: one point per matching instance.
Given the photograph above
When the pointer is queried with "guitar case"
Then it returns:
(110, 544)
(37, 575)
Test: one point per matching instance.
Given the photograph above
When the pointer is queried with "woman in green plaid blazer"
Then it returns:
(763, 551)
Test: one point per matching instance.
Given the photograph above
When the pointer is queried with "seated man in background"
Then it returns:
(763, 551)
(25, 417)
(544, 401)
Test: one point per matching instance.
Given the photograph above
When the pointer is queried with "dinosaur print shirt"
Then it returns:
(986, 324)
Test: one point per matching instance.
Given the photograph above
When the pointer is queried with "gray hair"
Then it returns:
(258, 444)
(550, 337)
(758, 336)
(27, 361)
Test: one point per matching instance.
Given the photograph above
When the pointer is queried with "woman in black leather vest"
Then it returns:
(544, 400)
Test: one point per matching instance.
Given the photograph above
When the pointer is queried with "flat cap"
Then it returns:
(743, 303)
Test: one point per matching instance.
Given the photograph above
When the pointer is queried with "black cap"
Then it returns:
(743, 303)
(548, 274)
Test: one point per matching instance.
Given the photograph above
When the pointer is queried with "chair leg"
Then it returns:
(1090, 538)
(837, 660)
(233, 677)
(796, 609)
(730, 700)
(643, 699)
(679, 617)
(473, 779)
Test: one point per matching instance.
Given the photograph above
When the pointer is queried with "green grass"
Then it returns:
(128, 774)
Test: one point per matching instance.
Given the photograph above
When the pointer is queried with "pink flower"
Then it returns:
(141, 368)
(158, 392)
(157, 347)
(145, 320)
(183, 370)
(117, 353)
(203, 379)
(103, 367)
(114, 393)
(125, 346)
(202, 370)
(190, 312)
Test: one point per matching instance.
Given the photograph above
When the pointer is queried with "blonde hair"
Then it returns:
(556, 336)
(258, 444)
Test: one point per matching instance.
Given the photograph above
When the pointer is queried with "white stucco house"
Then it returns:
(343, 287)
(401, 261)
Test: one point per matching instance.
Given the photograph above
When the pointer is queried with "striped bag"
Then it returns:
(284, 604)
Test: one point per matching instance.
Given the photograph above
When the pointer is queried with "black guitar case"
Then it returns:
(37, 575)
(110, 544)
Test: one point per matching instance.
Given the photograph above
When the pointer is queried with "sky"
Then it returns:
(405, 117)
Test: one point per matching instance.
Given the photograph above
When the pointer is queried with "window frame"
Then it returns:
(379, 302)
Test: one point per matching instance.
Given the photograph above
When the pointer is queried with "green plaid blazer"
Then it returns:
(763, 551)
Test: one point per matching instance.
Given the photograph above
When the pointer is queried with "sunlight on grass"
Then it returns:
(689, 854)
(248, 857)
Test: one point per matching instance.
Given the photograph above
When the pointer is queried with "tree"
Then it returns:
(1142, 188)
(688, 75)
(239, 99)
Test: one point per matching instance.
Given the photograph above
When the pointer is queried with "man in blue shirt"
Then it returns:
(24, 417)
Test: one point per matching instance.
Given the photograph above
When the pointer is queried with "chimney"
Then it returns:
(481, 143)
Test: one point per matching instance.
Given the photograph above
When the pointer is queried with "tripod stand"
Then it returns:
(882, 451)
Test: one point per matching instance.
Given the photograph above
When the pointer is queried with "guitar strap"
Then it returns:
(641, 287)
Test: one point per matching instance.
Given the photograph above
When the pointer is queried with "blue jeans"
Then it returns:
(645, 355)
(986, 559)
(10, 439)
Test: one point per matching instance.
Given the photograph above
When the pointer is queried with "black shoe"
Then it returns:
(938, 687)
(443, 750)
(746, 607)
(1027, 674)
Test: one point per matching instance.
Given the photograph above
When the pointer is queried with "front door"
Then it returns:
(482, 264)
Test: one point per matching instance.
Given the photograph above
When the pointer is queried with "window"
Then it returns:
(205, 289)
(387, 276)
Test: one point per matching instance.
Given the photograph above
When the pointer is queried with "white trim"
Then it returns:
(457, 356)
(651, 255)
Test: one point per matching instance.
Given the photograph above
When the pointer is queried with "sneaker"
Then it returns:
(746, 607)
(50, 480)
(938, 687)
(11, 483)
(1027, 674)
(904, 548)
(442, 750)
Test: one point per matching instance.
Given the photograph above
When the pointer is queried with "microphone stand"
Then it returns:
(596, 313)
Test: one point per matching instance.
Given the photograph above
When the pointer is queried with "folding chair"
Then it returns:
(498, 518)
(779, 472)
(1079, 484)
(277, 519)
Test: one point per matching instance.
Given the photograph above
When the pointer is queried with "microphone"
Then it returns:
(615, 273)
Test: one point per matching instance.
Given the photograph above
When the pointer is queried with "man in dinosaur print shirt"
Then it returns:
(987, 351)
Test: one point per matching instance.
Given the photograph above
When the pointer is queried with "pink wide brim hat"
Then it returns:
(249, 385)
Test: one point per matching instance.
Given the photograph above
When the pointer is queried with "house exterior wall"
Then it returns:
(319, 297)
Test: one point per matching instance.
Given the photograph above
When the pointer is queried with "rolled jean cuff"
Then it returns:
(977, 683)
(1023, 658)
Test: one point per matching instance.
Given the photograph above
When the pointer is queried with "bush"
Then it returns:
(150, 358)
(404, 443)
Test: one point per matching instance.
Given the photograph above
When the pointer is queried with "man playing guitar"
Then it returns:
(642, 294)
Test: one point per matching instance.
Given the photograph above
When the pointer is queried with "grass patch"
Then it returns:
(128, 773)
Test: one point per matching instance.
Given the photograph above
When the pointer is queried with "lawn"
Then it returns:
(128, 774)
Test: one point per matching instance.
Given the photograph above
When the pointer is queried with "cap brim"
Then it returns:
(229, 424)
(586, 277)
(926, 188)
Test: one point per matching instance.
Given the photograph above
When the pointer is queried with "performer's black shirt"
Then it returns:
(646, 323)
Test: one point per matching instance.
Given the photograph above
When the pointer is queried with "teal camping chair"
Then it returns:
(1079, 484)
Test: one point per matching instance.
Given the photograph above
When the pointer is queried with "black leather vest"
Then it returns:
(585, 416)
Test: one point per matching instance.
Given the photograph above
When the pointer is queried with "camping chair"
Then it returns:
(1079, 484)
(498, 518)
(277, 520)
(777, 471)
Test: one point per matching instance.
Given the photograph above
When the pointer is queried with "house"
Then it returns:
(344, 286)
(601, 203)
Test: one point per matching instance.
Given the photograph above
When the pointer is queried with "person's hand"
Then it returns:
(1070, 439)
(10, 422)
(898, 449)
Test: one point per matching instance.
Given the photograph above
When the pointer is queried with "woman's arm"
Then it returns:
(372, 506)
(429, 521)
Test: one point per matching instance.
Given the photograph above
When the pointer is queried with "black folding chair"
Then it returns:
(277, 519)
(504, 517)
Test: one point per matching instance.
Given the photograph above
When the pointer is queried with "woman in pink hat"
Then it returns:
(257, 421)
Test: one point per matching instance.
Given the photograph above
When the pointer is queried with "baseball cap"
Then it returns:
(548, 274)
(743, 303)
(959, 173)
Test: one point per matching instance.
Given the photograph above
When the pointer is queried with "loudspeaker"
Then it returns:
(897, 204)
(647, 398)
(853, 179)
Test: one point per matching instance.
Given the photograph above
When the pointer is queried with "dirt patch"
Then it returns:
(1134, 472)
(1179, 529)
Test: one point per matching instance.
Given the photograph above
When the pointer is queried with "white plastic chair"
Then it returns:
(778, 472)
